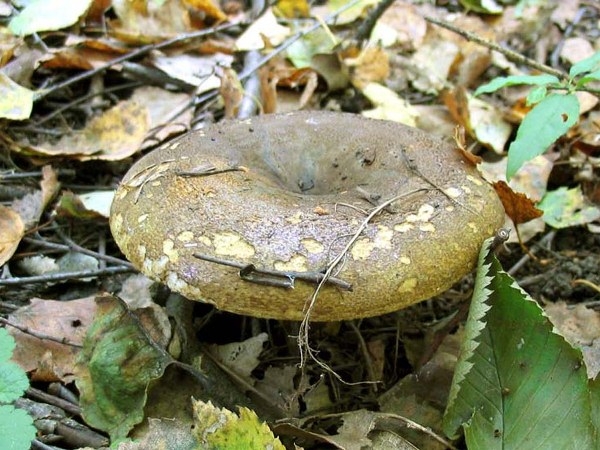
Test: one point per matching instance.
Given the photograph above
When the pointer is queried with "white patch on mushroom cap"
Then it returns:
(312, 245)
(229, 243)
(297, 263)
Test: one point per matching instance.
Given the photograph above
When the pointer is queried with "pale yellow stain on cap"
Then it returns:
(170, 251)
(453, 192)
(474, 180)
(312, 245)
(297, 263)
(424, 215)
(427, 227)
(185, 236)
(295, 219)
(403, 227)
(407, 286)
(117, 223)
(229, 243)
(141, 252)
(362, 249)
(142, 218)
(205, 240)
(473, 227)
(404, 260)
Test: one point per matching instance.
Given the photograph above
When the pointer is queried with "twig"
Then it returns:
(510, 54)
(247, 269)
(38, 335)
(53, 400)
(129, 56)
(303, 344)
(366, 27)
(53, 277)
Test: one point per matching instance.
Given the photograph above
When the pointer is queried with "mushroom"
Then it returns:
(249, 215)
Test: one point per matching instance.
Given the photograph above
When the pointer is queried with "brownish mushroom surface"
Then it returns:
(248, 215)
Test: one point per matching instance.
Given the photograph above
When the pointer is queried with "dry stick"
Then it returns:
(303, 343)
(139, 52)
(247, 269)
(510, 54)
(38, 335)
(63, 276)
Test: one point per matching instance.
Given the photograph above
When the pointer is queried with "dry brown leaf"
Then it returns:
(460, 141)
(114, 135)
(12, 230)
(518, 206)
(31, 206)
(48, 360)
(231, 91)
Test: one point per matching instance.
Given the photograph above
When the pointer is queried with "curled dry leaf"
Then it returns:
(12, 230)
(518, 206)
(461, 146)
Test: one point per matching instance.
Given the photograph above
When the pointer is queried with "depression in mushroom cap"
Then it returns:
(248, 215)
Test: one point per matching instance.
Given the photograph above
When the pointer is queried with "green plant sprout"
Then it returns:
(553, 114)
(16, 426)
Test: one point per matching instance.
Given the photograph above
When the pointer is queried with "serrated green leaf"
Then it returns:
(590, 64)
(7, 345)
(117, 363)
(518, 384)
(515, 80)
(542, 126)
(13, 382)
(16, 428)
(567, 208)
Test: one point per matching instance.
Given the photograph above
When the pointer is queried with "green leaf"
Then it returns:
(219, 428)
(514, 80)
(7, 345)
(590, 64)
(542, 126)
(13, 382)
(117, 363)
(593, 76)
(536, 95)
(48, 15)
(567, 208)
(518, 384)
(16, 428)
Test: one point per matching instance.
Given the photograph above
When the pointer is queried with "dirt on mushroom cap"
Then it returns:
(282, 195)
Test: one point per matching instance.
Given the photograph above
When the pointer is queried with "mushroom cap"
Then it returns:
(287, 193)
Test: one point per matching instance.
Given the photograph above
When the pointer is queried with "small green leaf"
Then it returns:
(590, 64)
(7, 345)
(536, 95)
(542, 126)
(16, 428)
(518, 384)
(567, 208)
(514, 80)
(13, 382)
(594, 76)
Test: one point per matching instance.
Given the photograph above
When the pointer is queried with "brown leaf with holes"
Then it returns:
(518, 206)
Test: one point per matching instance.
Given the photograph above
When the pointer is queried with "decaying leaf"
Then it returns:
(47, 360)
(221, 428)
(12, 230)
(517, 205)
